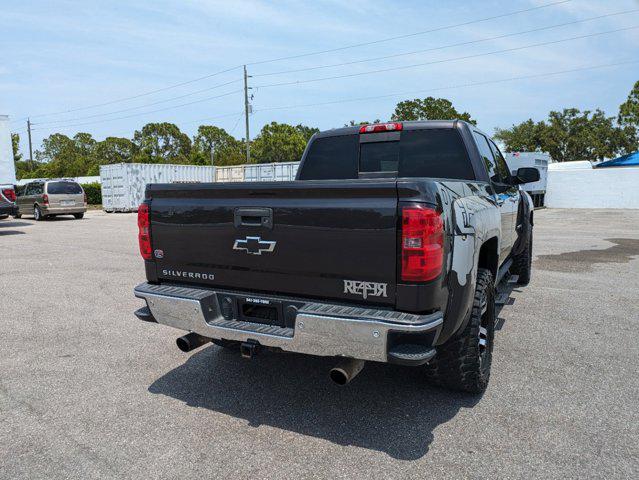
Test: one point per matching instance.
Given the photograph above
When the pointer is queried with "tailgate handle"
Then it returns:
(253, 217)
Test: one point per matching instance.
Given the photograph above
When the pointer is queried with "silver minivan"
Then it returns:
(50, 198)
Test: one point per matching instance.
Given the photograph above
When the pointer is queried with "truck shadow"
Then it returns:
(386, 408)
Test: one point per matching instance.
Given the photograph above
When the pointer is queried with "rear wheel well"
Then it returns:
(489, 256)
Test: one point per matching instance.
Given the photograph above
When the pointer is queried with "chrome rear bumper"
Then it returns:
(319, 329)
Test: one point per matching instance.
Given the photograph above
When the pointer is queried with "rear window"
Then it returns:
(436, 153)
(63, 188)
(331, 158)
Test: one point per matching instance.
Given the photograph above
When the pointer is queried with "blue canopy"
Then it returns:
(630, 160)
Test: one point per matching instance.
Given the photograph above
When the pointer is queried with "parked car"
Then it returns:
(50, 198)
(386, 248)
(7, 201)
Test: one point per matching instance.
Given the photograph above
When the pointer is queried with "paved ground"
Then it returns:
(87, 391)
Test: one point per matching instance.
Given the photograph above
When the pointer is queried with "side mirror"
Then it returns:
(526, 175)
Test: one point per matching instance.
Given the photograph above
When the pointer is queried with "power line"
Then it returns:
(141, 106)
(124, 99)
(145, 113)
(290, 57)
(385, 57)
(412, 92)
(433, 62)
(408, 35)
(450, 87)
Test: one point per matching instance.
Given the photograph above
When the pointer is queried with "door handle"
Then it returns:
(253, 217)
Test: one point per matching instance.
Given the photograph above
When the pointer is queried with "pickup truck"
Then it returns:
(387, 247)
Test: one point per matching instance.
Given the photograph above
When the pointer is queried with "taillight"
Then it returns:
(144, 232)
(422, 244)
(9, 194)
(45, 199)
(381, 127)
(85, 198)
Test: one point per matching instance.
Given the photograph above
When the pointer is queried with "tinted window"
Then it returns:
(500, 162)
(378, 157)
(63, 188)
(34, 189)
(436, 153)
(486, 156)
(331, 158)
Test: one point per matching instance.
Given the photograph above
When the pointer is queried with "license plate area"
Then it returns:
(67, 203)
(260, 310)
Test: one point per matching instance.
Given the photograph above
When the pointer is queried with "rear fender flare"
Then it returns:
(475, 220)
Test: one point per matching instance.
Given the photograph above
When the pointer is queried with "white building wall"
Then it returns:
(613, 187)
(7, 166)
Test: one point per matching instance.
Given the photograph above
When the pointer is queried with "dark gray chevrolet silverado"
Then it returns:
(387, 247)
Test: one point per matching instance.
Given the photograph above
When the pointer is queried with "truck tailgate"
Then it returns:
(327, 239)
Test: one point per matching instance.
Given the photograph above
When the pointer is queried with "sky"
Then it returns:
(75, 66)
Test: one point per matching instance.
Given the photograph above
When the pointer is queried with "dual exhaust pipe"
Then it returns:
(346, 371)
(191, 341)
(342, 374)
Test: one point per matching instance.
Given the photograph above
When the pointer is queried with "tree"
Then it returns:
(525, 137)
(629, 110)
(307, 132)
(162, 143)
(15, 143)
(353, 123)
(278, 142)
(429, 108)
(114, 150)
(570, 135)
(227, 150)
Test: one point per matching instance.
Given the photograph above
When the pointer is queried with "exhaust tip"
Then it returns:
(338, 376)
(191, 341)
(183, 344)
(346, 371)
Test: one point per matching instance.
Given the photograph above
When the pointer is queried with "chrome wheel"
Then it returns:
(36, 213)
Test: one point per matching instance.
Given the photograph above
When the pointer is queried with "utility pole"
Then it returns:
(30, 147)
(246, 117)
(212, 154)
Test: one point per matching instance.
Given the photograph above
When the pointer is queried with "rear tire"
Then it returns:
(78, 216)
(37, 214)
(522, 263)
(463, 363)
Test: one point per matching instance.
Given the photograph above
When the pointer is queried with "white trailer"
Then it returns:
(540, 161)
(123, 184)
(258, 172)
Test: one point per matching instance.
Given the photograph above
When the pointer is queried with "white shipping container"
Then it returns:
(229, 174)
(123, 184)
(270, 172)
(258, 172)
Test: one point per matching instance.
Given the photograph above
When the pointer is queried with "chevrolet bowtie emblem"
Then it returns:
(254, 245)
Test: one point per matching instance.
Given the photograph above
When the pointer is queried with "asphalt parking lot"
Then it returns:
(88, 391)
